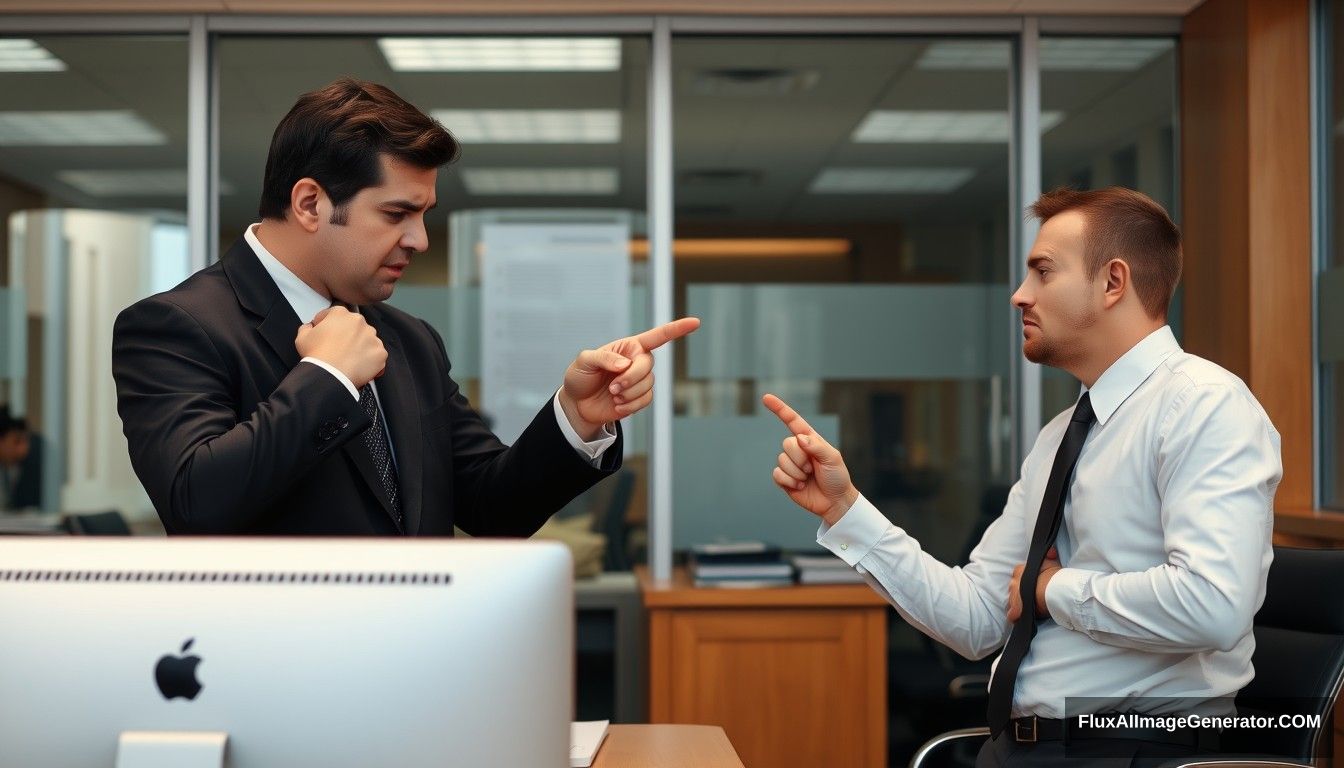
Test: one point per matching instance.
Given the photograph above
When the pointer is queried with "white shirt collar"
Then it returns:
(1132, 369)
(305, 301)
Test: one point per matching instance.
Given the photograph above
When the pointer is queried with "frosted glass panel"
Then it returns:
(722, 486)
(455, 312)
(847, 332)
(1331, 319)
(13, 346)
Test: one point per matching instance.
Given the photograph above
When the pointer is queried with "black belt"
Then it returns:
(1026, 730)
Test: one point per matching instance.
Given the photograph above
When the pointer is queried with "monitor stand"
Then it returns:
(171, 749)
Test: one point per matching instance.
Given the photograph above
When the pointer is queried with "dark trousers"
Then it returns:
(1004, 752)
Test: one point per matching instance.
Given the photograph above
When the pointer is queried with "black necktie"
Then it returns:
(376, 439)
(1047, 527)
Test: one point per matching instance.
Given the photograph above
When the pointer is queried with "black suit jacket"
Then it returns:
(231, 434)
(26, 491)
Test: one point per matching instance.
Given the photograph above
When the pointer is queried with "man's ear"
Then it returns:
(306, 200)
(1116, 275)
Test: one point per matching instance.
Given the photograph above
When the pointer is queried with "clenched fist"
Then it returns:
(342, 339)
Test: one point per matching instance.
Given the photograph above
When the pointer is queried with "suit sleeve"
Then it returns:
(207, 468)
(501, 490)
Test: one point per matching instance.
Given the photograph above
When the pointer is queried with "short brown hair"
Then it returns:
(334, 136)
(1128, 225)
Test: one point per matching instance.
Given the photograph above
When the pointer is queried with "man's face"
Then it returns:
(13, 447)
(1059, 303)
(383, 227)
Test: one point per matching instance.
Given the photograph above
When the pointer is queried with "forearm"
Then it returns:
(956, 606)
(512, 490)
(224, 484)
(1163, 609)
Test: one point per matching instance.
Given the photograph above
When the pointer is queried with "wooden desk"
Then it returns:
(796, 676)
(666, 746)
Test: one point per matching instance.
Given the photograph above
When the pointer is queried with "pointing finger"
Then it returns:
(657, 337)
(796, 424)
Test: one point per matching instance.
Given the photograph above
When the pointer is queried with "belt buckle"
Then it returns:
(1018, 734)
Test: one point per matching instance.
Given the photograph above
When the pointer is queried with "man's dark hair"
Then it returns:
(9, 423)
(335, 136)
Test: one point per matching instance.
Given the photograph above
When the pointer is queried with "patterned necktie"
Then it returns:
(1042, 538)
(376, 439)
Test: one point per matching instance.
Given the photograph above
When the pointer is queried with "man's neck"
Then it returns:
(1120, 342)
(280, 244)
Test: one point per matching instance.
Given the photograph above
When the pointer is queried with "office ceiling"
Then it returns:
(756, 119)
(642, 7)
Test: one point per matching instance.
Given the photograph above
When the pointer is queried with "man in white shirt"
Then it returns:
(1138, 536)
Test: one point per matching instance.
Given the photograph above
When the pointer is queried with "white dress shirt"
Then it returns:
(307, 302)
(1165, 545)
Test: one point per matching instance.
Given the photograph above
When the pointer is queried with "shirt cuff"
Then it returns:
(857, 532)
(592, 451)
(1069, 589)
(341, 377)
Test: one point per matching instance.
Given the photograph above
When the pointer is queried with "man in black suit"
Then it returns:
(274, 392)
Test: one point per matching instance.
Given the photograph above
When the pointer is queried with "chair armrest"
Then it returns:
(1236, 761)
(968, 686)
(929, 746)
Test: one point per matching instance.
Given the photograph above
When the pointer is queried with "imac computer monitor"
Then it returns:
(305, 652)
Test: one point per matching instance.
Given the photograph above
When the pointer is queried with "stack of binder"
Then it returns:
(824, 569)
(739, 564)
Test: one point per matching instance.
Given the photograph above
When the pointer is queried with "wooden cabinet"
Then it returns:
(666, 746)
(796, 676)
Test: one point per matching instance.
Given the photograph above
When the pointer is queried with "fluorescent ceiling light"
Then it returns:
(540, 181)
(95, 128)
(22, 55)
(749, 247)
(859, 181)
(502, 54)
(1059, 54)
(533, 126)
(899, 126)
(132, 183)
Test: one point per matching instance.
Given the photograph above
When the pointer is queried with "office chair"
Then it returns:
(1299, 654)
(931, 686)
(612, 524)
(98, 524)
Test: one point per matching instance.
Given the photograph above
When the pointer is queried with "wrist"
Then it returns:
(586, 430)
(1042, 609)
(841, 506)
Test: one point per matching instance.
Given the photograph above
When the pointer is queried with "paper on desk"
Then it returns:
(584, 739)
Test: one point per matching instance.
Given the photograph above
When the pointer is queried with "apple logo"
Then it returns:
(176, 675)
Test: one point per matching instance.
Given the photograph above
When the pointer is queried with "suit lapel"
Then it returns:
(258, 294)
(278, 325)
(401, 408)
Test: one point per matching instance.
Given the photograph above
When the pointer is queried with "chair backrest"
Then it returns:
(1299, 650)
(612, 522)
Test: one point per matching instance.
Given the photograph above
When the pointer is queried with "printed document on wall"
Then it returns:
(547, 292)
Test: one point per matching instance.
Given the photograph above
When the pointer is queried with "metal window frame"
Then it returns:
(1321, 229)
(1024, 176)
(1024, 145)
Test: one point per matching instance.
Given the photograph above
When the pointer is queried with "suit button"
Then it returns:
(342, 422)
